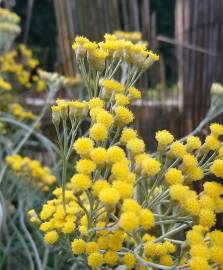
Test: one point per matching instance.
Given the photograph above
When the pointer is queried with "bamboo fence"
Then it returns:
(199, 25)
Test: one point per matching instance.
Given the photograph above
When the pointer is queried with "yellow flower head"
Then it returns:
(51, 237)
(129, 260)
(193, 143)
(134, 93)
(211, 142)
(78, 246)
(121, 100)
(105, 118)
(125, 189)
(95, 103)
(213, 189)
(217, 168)
(91, 247)
(177, 149)
(197, 263)
(146, 219)
(130, 205)
(109, 196)
(95, 260)
(123, 116)
(164, 137)
(80, 182)
(111, 258)
(199, 250)
(216, 129)
(189, 161)
(85, 166)
(83, 146)
(174, 176)
(99, 132)
(128, 134)
(207, 218)
(136, 146)
(100, 185)
(151, 166)
(115, 154)
(99, 155)
(128, 221)
(112, 85)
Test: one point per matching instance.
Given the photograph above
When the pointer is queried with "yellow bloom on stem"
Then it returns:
(99, 185)
(130, 205)
(121, 100)
(213, 189)
(105, 118)
(111, 258)
(136, 146)
(216, 254)
(112, 85)
(128, 221)
(189, 161)
(109, 196)
(151, 166)
(174, 176)
(91, 247)
(78, 246)
(85, 166)
(134, 93)
(95, 260)
(164, 137)
(193, 143)
(207, 218)
(166, 260)
(95, 103)
(217, 168)
(115, 154)
(129, 260)
(198, 263)
(177, 149)
(99, 132)
(146, 219)
(216, 129)
(123, 116)
(125, 190)
(128, 134)
(199, 250)
(51, 237)
(99, 155)
(83, 146)
(211, 142)
(80, 182)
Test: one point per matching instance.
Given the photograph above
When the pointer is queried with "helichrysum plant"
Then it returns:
(123, 207)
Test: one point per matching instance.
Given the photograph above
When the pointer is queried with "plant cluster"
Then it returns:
(123, 206)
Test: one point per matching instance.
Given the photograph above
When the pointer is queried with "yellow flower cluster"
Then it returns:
(206, 248)
(19, 113)
(4, 85)
(19, 67)
(123, 206)
(32, 171)
(113, 48)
